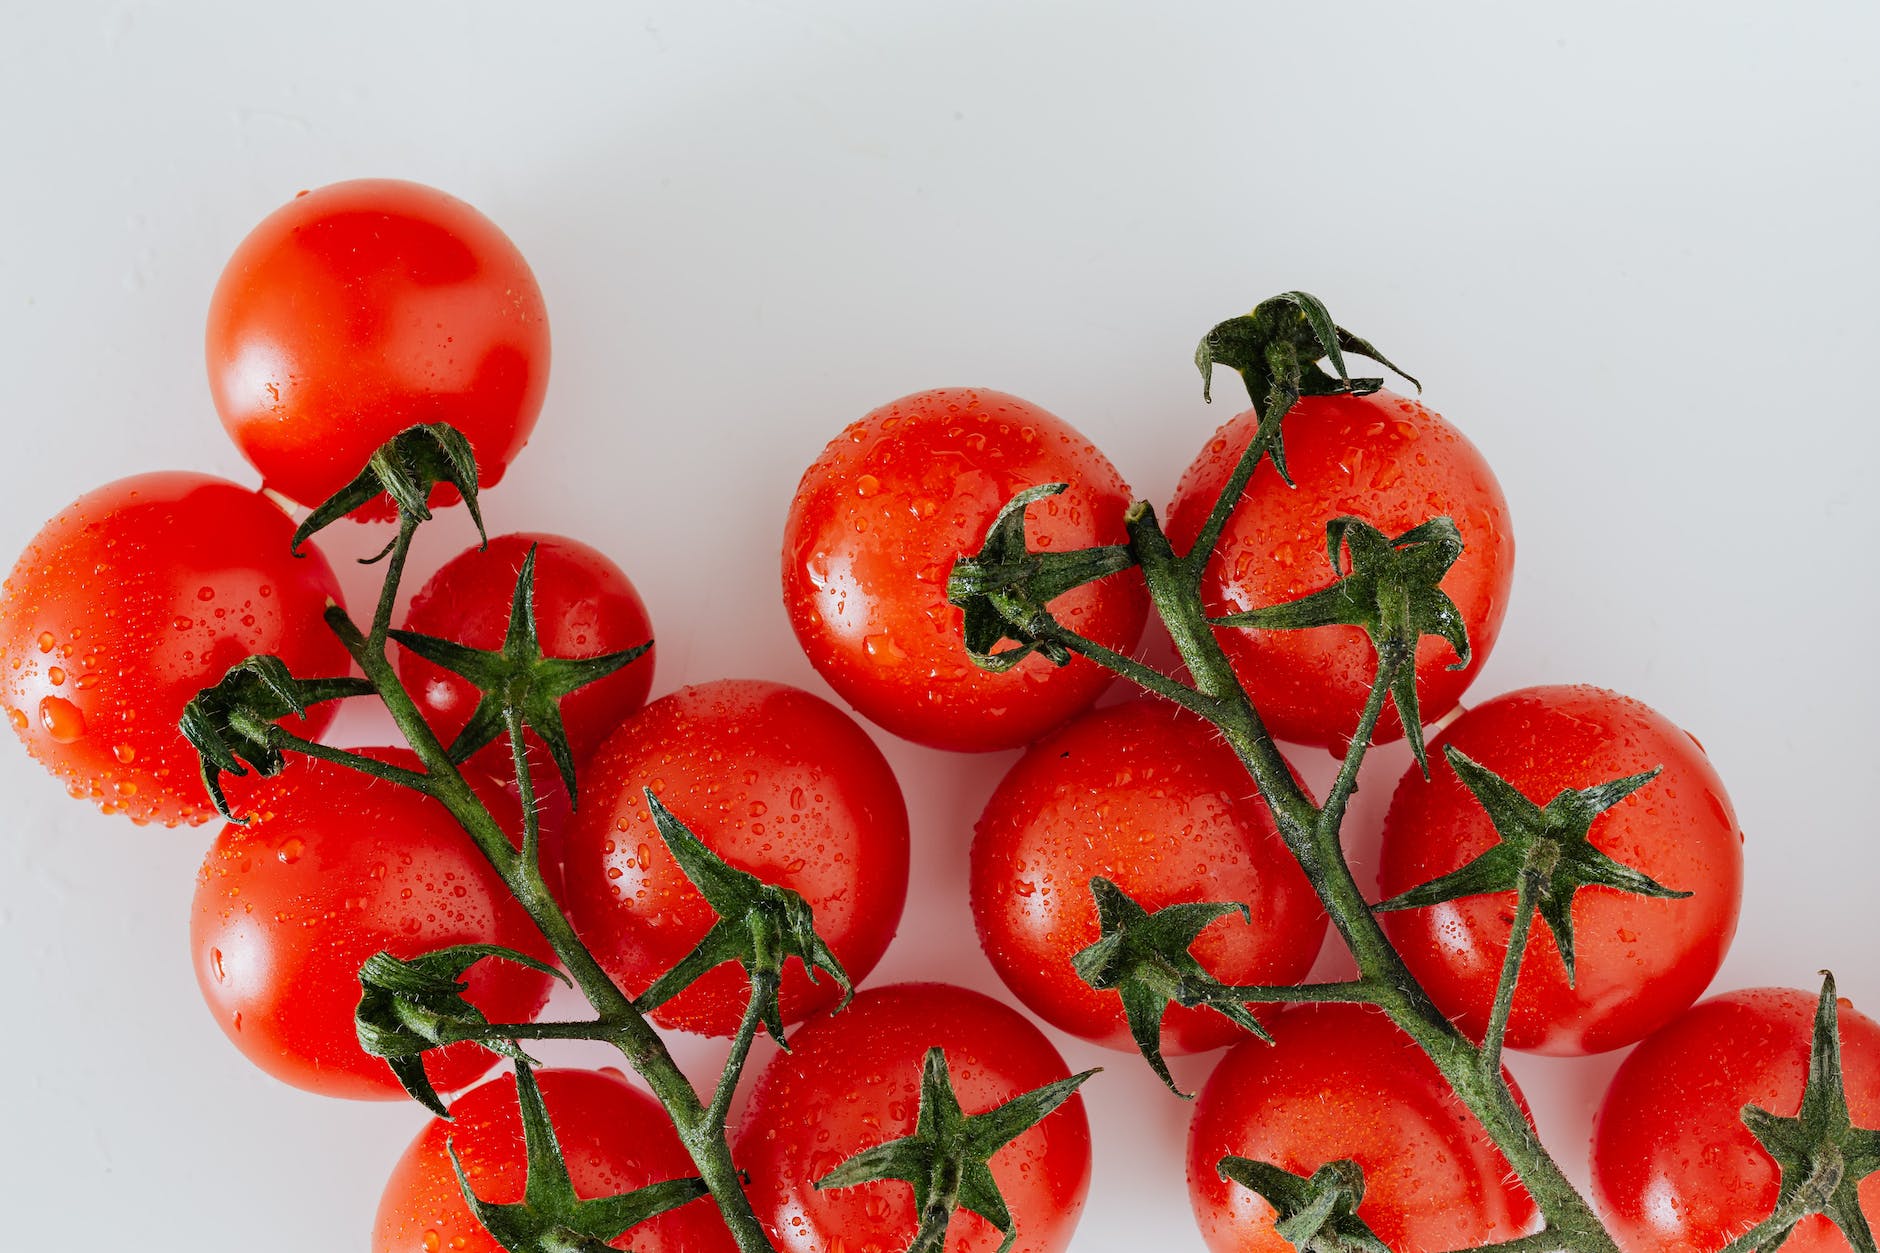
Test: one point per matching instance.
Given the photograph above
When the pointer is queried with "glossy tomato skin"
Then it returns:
(779, 783)
(614, 1138)
(584, 606)
(873, 532)
(1150, 798)
(1342, 1081)
(335, 868)
(362, 308)
(852, 1081)
(134, 598)
(1382, 458)
(1674, 1168)
(1640, 961)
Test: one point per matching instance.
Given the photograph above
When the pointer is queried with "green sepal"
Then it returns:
(1317, 1214)
(1277, 349)
(761, 926)
(518, 676)
(1004, 592)
(409, 1006)
(1548, 846)
(233, 721)
(950, 1152)
(1144, 958)
(1392, 588)
(552, 1217)
(1822, 1154)
(406, 468)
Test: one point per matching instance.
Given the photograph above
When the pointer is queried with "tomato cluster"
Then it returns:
(361, 309)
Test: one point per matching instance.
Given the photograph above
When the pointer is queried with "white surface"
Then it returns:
(1631, 255)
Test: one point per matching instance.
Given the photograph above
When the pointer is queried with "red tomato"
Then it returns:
(852, 1081)
(1639, 960)
(336, 868)
(584, 606)
(614, 1137)
(355, 311)
(1674, 1168)
(872, 536)
(1341, 1081)
(137, 596)
(775, 781)
(1382, 458)
(1151, 799)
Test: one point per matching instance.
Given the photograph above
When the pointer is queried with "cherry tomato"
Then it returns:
(338, 867)
(355, 311)
(1342, 1081)
(584, 606)
(1674, 1168)
(1640, 960)
(874, 530)
(613, 1136)
(1382, 458)
(137, 596)
(775, 781)
(852, 1081)
(1151, 799)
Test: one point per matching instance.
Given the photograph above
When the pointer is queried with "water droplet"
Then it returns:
(17, 717)
(867, 485)
(205, 593)
(215, 966)
(46, 641)
(62, 719)
(182, 622)
(290, 849)
(56, 675)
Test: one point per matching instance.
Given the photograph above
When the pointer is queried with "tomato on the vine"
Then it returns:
(365, 307)
(1382, 458)
(851, 1081)
(1674, 1166)
(1148, 797)
(336, 867)
(777, 782)
(1343, 1081)
(873, 532)
(614, 1138)
(134, 598)
(1639, 960)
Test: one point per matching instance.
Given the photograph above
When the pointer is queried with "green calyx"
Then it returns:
(552, 1217)
(1543, 851)
(947, 1159)
(233, 722)
(1317, 1214)
(1392, 589)
(1144, 958)
(406, 468)
(760, 926)
(1004, 592)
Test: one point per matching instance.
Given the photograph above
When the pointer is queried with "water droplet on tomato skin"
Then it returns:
(290, 849)
(18, 718)
(62, 719)
(46, 641)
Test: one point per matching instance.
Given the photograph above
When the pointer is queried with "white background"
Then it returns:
(1630, 252)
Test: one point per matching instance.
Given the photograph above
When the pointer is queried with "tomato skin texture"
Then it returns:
(1342, 1081)
(335, 868)
(614, 1137)
(1674, 1167)
(776, 781)
(134, 598)
(852, 1081)
(1382, 458)
(1640, 961)
(1150, 798)
(362, 308)
(584, 606)
(872, 535)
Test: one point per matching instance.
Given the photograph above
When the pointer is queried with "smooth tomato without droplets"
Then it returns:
(775, 781)
(1674, 1168)
(614, 1137)
(338, 867)
(1382, 458)
(362, 308)
(874, 530)
(1342, 1081)
(136, 597)
(1151, 799)
(1639, 960)
(852, 1081)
